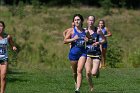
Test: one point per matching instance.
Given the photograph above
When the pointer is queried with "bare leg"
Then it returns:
(103, 56)
(3, 70)
(81, 64)
(74, 69)
(95, 68)
(88, 67)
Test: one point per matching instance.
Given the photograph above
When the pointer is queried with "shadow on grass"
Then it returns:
(105, 92)
(15, 72)
(14, 76)
(113, 91)
(16, 79)
(100, 92)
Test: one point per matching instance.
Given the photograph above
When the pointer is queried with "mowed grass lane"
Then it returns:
(111, 80)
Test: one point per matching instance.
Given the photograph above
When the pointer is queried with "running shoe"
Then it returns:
(76, 91)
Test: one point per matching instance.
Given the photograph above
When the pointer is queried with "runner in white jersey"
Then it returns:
(5, 39)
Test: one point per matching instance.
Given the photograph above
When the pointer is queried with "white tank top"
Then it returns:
(3, 48)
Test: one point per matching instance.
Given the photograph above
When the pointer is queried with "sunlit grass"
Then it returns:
(44, 28)
(61, 81)
(42, 64)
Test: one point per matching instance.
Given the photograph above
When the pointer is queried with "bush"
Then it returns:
(134, 58)
(114, 53)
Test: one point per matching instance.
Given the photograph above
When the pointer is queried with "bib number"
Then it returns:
(2, 51)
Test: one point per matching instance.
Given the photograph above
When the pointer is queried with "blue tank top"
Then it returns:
(104, 33)
(80, 42)
(3, 48)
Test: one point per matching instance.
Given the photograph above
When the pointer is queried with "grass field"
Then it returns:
(111, 80)
(41, 65)
(38, 33)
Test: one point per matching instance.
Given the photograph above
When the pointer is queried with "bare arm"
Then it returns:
(65, 32)
(11, 42)
(108, 32)
(68, 38)
(102, 36)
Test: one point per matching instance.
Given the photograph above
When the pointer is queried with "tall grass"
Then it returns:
(39, 34)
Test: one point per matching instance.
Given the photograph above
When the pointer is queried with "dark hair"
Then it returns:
(2, 24)
(80, 16)
(102, 21)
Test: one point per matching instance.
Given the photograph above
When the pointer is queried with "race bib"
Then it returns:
(80, 43)
(90, 48)
(2, 50)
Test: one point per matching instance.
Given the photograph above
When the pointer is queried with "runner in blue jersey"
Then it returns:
(103, 47)
(77, 53)
(4, 41)
(93, 50)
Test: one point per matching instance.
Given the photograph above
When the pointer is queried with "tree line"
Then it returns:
(133, 4)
